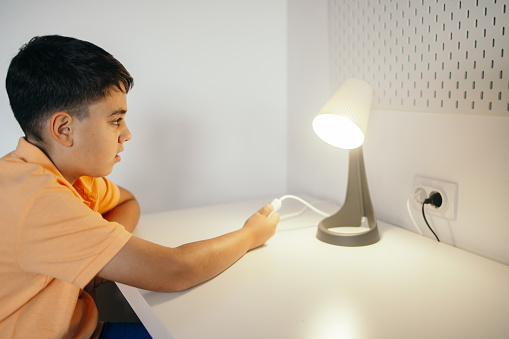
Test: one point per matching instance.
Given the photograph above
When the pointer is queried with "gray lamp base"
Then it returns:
(357, 205)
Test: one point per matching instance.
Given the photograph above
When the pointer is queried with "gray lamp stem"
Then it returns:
(357, 205)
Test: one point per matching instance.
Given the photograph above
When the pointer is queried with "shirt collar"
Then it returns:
(33, 154)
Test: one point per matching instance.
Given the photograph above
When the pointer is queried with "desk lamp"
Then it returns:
(342, 123)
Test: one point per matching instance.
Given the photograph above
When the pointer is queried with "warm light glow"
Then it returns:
(338, 131)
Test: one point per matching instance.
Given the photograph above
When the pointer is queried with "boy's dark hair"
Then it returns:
(55, 73)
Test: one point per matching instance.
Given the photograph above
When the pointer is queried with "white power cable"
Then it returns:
(293, 215)
(278, 202)
(313, 208)
(411, 215)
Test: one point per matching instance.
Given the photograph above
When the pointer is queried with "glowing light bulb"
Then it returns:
(338, 131)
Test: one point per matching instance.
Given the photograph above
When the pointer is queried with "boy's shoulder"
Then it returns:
(27, 174)
(22, 182)
(27, 165)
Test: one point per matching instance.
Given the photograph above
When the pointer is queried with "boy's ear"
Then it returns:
(61, 128)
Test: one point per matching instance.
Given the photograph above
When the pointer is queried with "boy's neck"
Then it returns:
(46, 149)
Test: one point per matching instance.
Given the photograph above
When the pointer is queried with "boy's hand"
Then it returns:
(94, 283)
(261, 227)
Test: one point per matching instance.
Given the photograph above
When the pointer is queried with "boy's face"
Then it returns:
(99, 138)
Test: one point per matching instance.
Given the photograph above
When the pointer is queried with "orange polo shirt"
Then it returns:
(53, 242)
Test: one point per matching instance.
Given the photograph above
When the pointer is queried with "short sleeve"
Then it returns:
(61, 237)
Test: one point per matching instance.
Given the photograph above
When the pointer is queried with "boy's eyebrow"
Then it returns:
(120, 111)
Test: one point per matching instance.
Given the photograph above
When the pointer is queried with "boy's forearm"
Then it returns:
(127, 214)
(158, 268)
(211, 257)
(153, 267)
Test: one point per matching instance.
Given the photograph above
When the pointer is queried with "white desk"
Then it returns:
(404, 286)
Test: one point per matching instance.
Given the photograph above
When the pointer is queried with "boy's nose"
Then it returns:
(126, 135)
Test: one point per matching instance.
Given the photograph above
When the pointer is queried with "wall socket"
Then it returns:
(448, 190)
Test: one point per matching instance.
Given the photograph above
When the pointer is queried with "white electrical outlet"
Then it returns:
(448, 190)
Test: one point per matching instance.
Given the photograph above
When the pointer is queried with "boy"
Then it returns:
(63, 224)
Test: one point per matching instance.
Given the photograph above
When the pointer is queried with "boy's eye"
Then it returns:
(116, 122)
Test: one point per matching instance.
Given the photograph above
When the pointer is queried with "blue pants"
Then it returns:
(114, 330)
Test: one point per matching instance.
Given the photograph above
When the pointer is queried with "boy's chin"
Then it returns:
(102, 173)
(107, 172)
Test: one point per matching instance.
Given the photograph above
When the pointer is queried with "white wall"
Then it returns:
(219, 84)
(208, 109)
(308, 89)
(470, 150)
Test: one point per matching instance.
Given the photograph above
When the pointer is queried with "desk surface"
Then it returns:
(404, 286)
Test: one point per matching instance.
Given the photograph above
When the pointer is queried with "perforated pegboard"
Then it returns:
(424, 55)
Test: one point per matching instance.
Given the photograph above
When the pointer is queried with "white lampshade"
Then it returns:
(343, 121)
